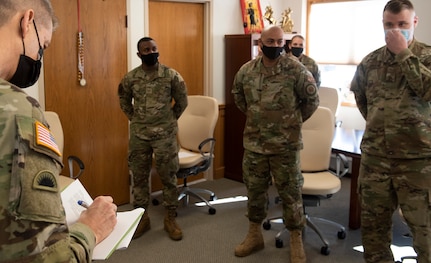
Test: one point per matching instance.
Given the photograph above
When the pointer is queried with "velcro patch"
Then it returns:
(311, 90)
(44, 138)
(45, 180)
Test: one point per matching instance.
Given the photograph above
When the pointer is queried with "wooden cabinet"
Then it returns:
(238, 50)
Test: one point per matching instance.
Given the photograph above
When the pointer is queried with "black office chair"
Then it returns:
(195, 135)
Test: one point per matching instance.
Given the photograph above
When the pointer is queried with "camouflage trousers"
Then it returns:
(258, 171)
(165, 152)
(384, 185)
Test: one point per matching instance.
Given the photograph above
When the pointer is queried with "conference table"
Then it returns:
(347, 141)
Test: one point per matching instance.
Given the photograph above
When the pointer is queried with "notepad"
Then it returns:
(122, 234)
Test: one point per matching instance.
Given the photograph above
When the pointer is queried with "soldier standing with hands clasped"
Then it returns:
(277, 94)
(153, 97)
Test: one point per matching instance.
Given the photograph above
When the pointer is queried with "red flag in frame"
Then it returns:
(251, 16)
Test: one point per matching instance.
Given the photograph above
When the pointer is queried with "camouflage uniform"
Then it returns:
(312, 66)
(276, 101)
(393, 93)
(32, 218)
(153, 128)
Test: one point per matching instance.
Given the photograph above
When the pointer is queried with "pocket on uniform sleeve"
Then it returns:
(39, 198)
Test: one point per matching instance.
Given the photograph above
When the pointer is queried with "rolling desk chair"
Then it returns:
(195, 136)
(319, 181)
(329, 98)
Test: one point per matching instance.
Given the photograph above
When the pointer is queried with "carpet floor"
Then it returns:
(212, 238)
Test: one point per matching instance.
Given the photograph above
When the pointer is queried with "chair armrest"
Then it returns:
(205, 155)
(81, 165)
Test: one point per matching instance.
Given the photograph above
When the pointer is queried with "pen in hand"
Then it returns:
(82, 203)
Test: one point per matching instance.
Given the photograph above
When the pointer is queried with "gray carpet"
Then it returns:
(212, 238)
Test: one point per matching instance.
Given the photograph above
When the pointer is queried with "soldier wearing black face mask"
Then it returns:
(32, 217)
(277, 94)
(28, 70)
(296, 48)
(146, 94)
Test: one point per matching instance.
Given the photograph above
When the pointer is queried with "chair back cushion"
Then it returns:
(197, 122)
(329, 98)
(56, 129)
(317, 136)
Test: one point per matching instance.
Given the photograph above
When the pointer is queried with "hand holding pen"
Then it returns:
(100, 216)
(83, 204)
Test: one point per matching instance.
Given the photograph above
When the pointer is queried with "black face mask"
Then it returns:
(272, 52)
(28, 70)
(297, 51)
(150, 59)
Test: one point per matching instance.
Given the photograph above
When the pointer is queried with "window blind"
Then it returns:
(344, 32)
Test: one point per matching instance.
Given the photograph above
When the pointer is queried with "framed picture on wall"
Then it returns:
(251, 16)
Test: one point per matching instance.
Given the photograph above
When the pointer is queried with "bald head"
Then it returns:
(272, 31)
(271, 42)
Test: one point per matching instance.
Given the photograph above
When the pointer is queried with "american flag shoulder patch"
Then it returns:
(44, 138)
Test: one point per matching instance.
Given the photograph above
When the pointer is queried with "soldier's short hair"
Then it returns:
(144, 39)
(43, 11)
(396, 6)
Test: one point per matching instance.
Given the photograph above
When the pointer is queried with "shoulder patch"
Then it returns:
(45, 180)
(44, 138)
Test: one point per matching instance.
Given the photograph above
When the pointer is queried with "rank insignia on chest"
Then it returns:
(45, 138)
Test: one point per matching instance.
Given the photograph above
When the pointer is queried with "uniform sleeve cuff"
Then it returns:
(84, 234)
(403, 55)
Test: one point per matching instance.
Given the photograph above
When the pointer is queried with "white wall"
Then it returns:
(422, 32)
(227, 19)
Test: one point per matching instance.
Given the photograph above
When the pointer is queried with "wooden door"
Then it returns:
(178, 29)
(95, 128)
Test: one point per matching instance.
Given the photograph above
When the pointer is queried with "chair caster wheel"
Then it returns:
(325, 251)
(155, 202)
(278, 243)
(211, 211)
(341, 234)
(266, 225)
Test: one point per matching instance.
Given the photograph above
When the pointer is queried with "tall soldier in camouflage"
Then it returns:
(277, 94)
(159, 96)
(392, 87)
(32, 219)
(296, 48)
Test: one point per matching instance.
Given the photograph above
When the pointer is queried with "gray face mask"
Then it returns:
(28, 70)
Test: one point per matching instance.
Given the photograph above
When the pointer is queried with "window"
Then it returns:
(340, 34)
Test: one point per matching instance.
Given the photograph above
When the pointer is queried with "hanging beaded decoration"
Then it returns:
(80, 46)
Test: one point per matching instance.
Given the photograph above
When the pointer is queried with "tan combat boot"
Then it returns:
(252, 242)
(297, 254)
(143, 226)
(171, 225)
